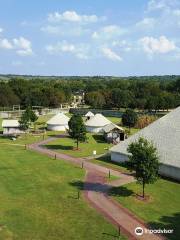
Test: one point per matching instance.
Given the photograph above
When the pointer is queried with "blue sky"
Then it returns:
(92, 37)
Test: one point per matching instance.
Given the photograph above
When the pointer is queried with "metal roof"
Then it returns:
(10, 123)
(164, 134)
(112, 126)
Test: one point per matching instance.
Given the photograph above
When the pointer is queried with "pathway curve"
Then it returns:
(96, 190)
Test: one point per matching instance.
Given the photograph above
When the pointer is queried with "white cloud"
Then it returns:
(23, 46)
(71, 16)
(5, 44)
(108, 32)
(1, 30)
(154, 5)
(123, 45)
(154, 45)
(146, 24)
(176, 12)
(108, 53)
(80, 51)
(64, 30)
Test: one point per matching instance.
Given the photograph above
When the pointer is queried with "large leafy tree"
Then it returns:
(121, 98)
(77, 129)
(7, 96)
(27, 118)
(144, 161)
(96, 99)
(129, 118)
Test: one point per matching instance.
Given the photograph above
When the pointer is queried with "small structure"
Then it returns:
(58, 123)
(89, 115)
(96, 123)
(113, 133)
(78, 99)
(11, 128)
(165, 135)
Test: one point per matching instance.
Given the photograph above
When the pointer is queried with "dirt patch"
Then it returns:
(146, 198)
(76, 149)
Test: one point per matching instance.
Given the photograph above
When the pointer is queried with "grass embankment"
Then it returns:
(39, 200)
(105, 161)
(68, 146)
(161, 211)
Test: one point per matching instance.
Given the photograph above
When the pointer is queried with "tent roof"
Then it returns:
(97, 121)
(58, 119)
(89, 114)
(112, 126)
(10, 123)
(165, 135)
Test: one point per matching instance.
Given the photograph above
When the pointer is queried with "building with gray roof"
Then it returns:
(165, 135)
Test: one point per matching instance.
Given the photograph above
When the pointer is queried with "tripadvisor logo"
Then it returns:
(139, 231)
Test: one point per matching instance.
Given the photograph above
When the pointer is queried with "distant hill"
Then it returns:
(5, 77)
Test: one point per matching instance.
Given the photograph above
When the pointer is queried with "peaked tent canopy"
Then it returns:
(96, 123)
(165, 135)
(111, 127)
(89, 114)
(58, 123)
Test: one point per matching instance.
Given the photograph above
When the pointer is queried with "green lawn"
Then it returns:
(132, 130)
(106, 162)
(162, 210)
(115, 120)
(39, 200)
(67, 145)
(23, 139)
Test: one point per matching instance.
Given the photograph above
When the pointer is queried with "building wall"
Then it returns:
(94, 129)
(170, 171)
(117, 157)
(164, 170)
(11, 131)
(57, 127)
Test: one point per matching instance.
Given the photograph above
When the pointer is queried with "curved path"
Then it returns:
(96, 192)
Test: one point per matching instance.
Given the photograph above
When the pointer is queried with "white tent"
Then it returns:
(89, 114)
(165, 135)
(96, 123)
(58, 123)
(11, 127)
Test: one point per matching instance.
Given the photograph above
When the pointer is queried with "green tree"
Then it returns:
(121, 98)
(129, 118)
(27, 118)
(7, 96)
(77, 129)
(95, 99)
(144, 161)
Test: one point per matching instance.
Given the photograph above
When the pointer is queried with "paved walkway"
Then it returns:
(96, 190)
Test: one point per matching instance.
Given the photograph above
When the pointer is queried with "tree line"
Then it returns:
(108, 92)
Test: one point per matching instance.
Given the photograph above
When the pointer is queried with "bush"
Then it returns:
(144, 121)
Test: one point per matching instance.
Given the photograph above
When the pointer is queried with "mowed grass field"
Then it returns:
(162, 210)
(67, 145)
(39, 200)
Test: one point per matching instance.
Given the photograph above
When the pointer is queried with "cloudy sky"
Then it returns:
(92, 37)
